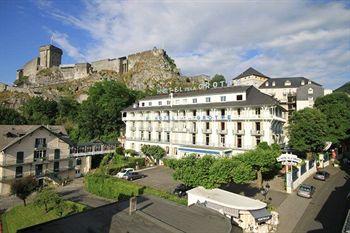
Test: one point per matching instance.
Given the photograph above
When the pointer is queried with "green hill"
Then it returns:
(344, 88)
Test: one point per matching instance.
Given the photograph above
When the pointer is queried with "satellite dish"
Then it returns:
(327, 146)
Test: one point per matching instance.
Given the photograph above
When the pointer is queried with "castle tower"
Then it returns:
(49, 56)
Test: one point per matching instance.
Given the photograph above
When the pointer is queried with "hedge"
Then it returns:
(114, 188)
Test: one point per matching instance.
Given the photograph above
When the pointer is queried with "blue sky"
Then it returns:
(278, 38)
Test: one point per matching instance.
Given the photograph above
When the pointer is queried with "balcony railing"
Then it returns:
(207, 130)
(40, 146)
(221, 131)
(40, 160)
(180, 130)
(257, 132)
(239, 132)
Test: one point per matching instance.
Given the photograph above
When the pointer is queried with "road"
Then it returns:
(326, 210)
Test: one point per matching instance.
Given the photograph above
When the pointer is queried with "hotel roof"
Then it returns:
(254, 98)
(250, 71)
(279, 82)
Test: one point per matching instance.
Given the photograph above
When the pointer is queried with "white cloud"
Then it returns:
(293, 37)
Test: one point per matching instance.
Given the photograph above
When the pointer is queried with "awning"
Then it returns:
(261, 215)
(211, 151)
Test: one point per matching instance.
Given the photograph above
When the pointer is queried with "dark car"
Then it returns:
(181, 189)
(133, 176)
(321, 175)
(306, 190)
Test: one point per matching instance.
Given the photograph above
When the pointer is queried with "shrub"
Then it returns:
(156, 152)
(131, 152)
(114, 188)
(119, 150)
(171, 163)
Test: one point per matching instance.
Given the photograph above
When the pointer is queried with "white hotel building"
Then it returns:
(219, 121)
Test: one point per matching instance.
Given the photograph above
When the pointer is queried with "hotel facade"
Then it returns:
(218, 121)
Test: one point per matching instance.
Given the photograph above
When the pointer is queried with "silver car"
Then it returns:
(306, 190)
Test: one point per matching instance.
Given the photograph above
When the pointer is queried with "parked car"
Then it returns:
(124, 172)
(321, 175)
(306, 190)
(133, 176)
(181, 189)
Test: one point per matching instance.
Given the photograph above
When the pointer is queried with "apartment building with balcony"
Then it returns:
(294, 93)
(219, 121)
(33, 150)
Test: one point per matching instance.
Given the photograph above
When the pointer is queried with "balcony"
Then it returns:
(40, 160)
(221, 131)
(192, 130)
(40, 146)
(257, 132)
(238, 131)
(207, 130)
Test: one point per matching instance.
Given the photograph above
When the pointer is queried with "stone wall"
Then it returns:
(106, 64)
(30, 69)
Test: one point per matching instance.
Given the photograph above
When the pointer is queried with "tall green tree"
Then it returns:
(9, 116)
(307, 130)
(262, 159)
(100, 115)
(23, 187)
(38, 111)
(46, 197)
(156, 152)
(336, 108)
(218, 78)
(67, 108)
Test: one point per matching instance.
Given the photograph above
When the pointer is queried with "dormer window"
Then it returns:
(143, 104)
(207, 99)
(273, 83)
(168, 102)
(302, 82)
(309, 82)
(239, 97)
(310, 91)
(149, 103)
(287, 83)
(160, 103)
(267, 84)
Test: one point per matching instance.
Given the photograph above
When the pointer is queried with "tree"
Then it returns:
(262, 159)
(39, 111)
(46, 197)
(23, 187)
(156, 152)
(307, 130)
(218, 78)
(345, 88)
(336, 108)
(100, 115)
(68, 109)
(60, 206)
(9, 116)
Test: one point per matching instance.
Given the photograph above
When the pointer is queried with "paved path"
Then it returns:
(293, 207)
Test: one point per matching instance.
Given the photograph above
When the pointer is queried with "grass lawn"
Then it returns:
(24, 216)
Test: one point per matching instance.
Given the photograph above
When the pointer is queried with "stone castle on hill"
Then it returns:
(50, 58)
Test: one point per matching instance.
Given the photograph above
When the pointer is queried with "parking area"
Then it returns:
(159, 177)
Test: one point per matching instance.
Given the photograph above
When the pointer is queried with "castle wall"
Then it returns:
(106, 64)
(139, 57)
(31, 68)
(77, 71)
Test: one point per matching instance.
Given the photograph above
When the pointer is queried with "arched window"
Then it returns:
(310, 91)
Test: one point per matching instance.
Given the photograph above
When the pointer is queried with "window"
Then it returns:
(239, 97)
(168, 137)
(223, 126)
(238, 111)
(208, 112)
(273, 83)
(257, 138)
(194, 112)
(207, 125)
(287, 83)
(19, 172)
(310, 91)
(184, 101)
(78, 161)
(38, 154)
(193, 138)
(143, 104)
(222, 140)
(207, 139)
(167, 150)
(223, 98)
(257, 126)
(159, 136)
(239, 141)
(223, 112)
(57, 154)
(141, 134)
(168, 102)
(267, 84)
(257, 111)
(194, 100)
(149, 135)
(239, 125)
(207, 99)
(149, 103)
(160, 103)
(40, 142)
(302, 82)
(56, 166)
(310, 98)
(20, 156)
